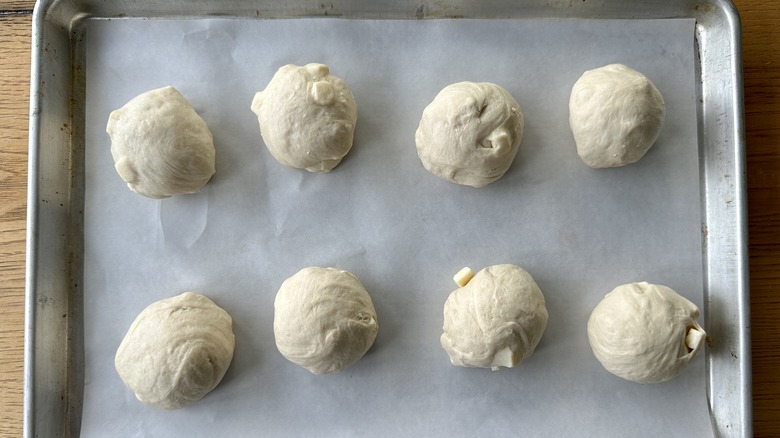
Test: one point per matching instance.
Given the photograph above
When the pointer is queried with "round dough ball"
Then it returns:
(161, 146)
(307, 117)
(176, 351)
(470, 133)
(324, 319)
(615, 114)
(495, 319)
(645, 333)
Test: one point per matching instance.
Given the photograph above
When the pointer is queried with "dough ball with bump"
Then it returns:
(495, 319)
(324, 319)
(307, 117)
(615, 114)
(470, 133)
(161, 146)
(176, 351)
(645, 333)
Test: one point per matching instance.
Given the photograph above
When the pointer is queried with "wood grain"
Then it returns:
(761, 69)
(761, 61)
(16, 5)
(15, 37)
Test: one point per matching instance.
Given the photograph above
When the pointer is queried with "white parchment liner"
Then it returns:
(403, 232)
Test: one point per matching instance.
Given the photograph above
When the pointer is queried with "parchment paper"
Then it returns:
(580, 232)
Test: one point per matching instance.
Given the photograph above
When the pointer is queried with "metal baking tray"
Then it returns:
(54, 348)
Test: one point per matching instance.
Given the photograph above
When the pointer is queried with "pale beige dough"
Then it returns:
(307, 117)
(470, 133)
(161, 146)
(176, 351)
(496, 319)
(645, 333)
(615, 114)
(324, 319)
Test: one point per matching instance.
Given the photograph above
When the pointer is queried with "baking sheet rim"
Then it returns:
(736, 212)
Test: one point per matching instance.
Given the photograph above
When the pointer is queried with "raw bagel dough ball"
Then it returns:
(615, 114)
(645, 333)
(161, 146)
(176, 351)
(470, 133)
(324, 319)
(307, 117)
(495, 319)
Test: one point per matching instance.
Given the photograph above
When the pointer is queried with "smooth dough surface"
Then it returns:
(470, 133)
(615, 114)
(161, 146)
(495, 320)
(645, 333)
(324, 319)
(307, 117)
(176, 351)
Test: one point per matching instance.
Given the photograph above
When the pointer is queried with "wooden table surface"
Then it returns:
(761, 67)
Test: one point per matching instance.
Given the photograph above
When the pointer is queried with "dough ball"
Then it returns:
(307, 117)
(161, 146)
(616, 114)
(324, 319)
(176, 351)
(645, 333)
(495, 319)
(470, 133)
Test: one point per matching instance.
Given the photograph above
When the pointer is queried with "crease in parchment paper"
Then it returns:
(183, 218)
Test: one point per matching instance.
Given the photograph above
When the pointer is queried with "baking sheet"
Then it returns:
(402, 231)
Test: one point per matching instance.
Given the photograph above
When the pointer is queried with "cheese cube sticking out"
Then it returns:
(694, 338)
(463, 276)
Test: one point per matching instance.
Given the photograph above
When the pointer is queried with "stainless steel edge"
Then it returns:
(53, 340)
(392, 9)
(727, 300)
(32, 218)
(53, 322)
